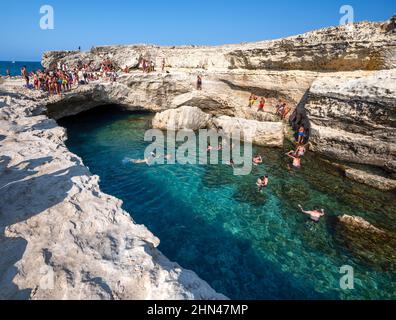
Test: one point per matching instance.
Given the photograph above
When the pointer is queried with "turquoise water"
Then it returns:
(15, 68)
(246, 245)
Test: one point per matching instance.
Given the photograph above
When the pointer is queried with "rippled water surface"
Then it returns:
(246, 245)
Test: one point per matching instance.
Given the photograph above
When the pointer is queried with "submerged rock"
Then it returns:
(372, 180)
(367, 243)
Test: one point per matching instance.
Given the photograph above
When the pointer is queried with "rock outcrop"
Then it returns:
(183, 118)
(367, 243)
(60, 236)
(362, 46)
(353, 118)
(266, 134)
(372, 180)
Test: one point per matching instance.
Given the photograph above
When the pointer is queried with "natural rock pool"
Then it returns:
(246, 245)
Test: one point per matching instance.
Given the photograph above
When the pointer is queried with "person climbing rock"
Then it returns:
(301, 135)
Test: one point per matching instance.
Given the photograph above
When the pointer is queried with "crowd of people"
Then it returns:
(61, 78)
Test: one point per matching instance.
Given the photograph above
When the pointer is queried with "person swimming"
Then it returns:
(315, 214)
(257, 160)
(262, 182)
(296, 159)
(301, 150)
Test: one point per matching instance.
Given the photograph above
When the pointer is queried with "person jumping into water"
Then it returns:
(315, 215)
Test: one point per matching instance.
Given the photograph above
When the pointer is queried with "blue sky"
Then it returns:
(88, 23)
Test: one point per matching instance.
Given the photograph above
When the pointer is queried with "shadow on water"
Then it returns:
(36, 194)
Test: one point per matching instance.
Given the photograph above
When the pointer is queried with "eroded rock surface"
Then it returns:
(60, 236)
(354, 118)
(267, 134)
(183, 118)
(367, 243)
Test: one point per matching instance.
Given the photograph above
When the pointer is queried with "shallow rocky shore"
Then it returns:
(54, 219)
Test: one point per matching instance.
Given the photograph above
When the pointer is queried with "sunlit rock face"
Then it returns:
(56, 218)
(190, 118)
(362, 46)
(353, 118)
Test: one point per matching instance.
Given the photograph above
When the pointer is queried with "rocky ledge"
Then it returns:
(60, 236)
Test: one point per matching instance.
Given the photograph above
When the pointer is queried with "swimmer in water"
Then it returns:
(296, 159)
(301, 150)
(315, 214)
(262, 182)
(257, 160)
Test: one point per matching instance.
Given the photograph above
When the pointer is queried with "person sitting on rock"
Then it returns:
(315, 214)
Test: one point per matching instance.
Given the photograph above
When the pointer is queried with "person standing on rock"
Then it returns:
(261, 105)
(199, 83)
(8, 74)
(301, 135)
(163, 65)
(25, 75)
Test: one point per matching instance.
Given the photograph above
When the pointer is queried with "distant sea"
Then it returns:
(15, 67)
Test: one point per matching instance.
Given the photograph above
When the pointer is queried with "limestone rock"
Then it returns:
(353, 119)
(60, 236)
(367, 243)
(372, 180)
(191, 118)
(361, 46)
(268, 134)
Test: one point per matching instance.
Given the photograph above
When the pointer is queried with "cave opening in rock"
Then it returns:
(244, 243)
